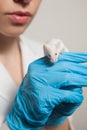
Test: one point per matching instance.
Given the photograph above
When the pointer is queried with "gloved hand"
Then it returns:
(76, 75)
(44, 90)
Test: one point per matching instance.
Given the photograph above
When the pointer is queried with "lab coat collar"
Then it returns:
(27, 54)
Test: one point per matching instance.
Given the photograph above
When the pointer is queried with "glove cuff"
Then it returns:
(56, 120)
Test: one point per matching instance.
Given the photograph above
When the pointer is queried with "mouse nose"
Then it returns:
(22, 1)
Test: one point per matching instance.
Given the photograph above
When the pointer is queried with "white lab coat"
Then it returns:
(30, 51)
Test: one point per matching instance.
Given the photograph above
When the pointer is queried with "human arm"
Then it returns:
(65, 126)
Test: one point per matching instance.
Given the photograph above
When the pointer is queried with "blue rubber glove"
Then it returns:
(46, 88)
(78, 78)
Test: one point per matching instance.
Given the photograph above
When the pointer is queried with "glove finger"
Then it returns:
(66, 74)
(76, 79)
(67, 102)
(59, 96)
(77, 57)
(68, 108)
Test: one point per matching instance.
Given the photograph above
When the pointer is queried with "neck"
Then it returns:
(7, 44)
(10, 57)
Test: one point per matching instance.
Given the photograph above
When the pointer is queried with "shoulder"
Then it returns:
(35, 46)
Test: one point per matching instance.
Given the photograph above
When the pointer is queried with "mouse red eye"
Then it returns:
(49, 55)
(55, 53)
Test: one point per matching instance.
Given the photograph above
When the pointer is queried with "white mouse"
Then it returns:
(53, 48)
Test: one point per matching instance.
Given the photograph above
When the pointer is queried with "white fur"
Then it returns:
(53, 48)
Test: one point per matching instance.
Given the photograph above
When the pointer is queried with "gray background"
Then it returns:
(66, 20)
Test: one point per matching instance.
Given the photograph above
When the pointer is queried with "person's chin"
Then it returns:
(14, 31)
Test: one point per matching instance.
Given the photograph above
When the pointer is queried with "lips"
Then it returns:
(19, 17)
(21, 13)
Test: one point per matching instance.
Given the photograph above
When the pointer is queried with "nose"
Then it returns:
(22, 1)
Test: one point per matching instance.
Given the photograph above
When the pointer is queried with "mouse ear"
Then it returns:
(45, 46)
(59, 44)
(46, 49)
